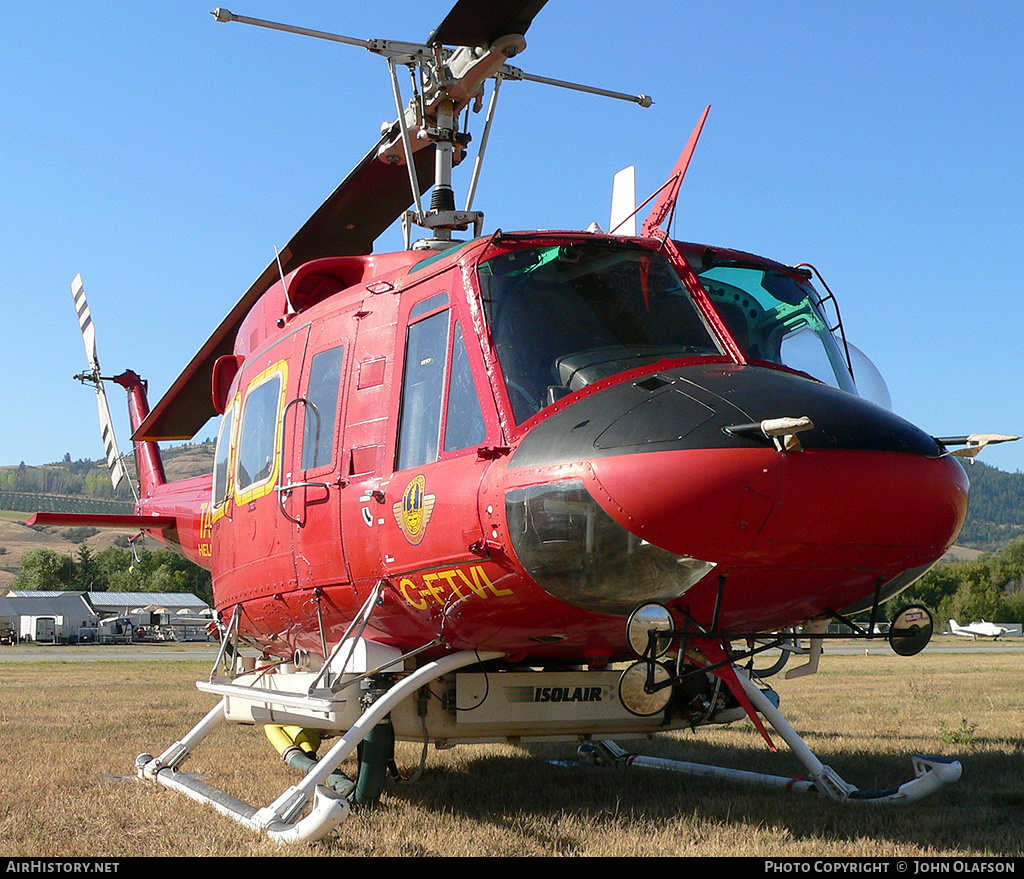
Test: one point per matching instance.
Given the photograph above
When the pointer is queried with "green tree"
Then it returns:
(109, 562)
(44, 569)
(160, 570)
(989, 587)
(976, 599)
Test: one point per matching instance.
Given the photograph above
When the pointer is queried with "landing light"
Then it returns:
(575, 551)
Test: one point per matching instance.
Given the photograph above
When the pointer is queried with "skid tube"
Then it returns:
(280, 820)
(932, 773)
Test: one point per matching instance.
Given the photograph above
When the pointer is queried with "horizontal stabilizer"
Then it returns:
(974, 443)
(105, 520)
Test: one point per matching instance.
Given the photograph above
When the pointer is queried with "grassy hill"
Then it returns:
(69, 481)
(89, 480)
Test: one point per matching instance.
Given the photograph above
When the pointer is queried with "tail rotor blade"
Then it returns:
(86, 324)
(114, 463)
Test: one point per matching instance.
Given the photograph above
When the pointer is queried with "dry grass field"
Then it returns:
(70, 732)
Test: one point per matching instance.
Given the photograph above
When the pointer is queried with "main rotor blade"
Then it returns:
(360, 209)
(476, 23)
(363, 206)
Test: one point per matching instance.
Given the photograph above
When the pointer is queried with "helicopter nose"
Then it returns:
(791, 535)
(859, 506)
(814, 508)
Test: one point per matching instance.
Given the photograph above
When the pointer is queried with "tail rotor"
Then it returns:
(115, 465)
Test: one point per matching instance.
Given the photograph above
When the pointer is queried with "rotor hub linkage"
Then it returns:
(448, 81)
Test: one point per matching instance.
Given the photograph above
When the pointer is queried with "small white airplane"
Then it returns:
(978, 630)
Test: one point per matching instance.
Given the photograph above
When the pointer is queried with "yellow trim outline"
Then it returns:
(265, 483)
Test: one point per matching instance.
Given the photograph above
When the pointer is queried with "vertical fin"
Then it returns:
(623, 218)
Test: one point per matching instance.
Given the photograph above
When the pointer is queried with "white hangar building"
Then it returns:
(76, 617)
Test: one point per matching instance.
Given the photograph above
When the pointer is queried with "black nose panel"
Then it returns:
(662, 417)
(692, 407)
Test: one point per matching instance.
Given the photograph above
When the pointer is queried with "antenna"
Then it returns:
(284, 283)
(445, 82)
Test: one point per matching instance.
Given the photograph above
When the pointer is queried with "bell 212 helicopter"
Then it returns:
(561, 485)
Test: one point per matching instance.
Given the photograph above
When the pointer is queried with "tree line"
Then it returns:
(996, 513)
(115, 569)
(990, 587)
(86, 478)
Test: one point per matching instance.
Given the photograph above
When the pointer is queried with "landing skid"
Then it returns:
(312, 808)
(315, 806)
(281, 819)
(932, 773)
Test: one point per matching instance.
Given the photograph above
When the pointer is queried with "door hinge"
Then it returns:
(489, 453)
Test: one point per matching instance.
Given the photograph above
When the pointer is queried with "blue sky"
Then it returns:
(164, 156)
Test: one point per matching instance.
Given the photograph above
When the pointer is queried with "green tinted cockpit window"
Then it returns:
(775, 317)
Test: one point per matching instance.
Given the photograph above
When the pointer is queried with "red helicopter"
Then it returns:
(579, 483)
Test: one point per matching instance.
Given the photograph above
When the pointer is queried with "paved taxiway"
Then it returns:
(207, 652)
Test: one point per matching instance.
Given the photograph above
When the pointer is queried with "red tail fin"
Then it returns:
(147, 454)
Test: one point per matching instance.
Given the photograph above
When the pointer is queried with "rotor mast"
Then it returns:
(445, 82)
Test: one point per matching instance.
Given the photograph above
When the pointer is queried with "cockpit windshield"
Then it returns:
(775, 317)
(564, 316)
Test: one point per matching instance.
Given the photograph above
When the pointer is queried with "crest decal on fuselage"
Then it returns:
(413, 511)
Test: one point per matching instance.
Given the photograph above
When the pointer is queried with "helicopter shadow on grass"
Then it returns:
(981, 813)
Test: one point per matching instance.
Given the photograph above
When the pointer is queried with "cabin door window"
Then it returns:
(441, 411)
(322, 406)
(252, 540)
(464, 427)
(312, 495)
(259, 440)
(423, 385)
(430, 516)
